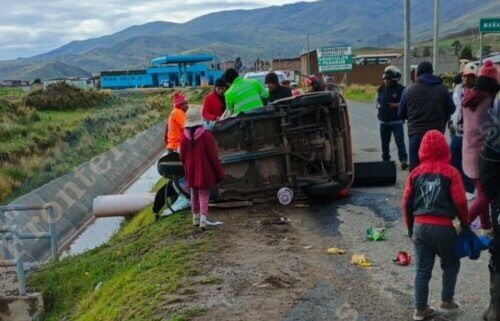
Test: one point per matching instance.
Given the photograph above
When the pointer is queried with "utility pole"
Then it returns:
(435, 57)
(406, 65)
(308, 58)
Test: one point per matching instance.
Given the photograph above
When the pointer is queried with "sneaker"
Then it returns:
(470, 196)
(203, 221)
(404, 165)
(420, 315)
(196, 219)
(450, 307)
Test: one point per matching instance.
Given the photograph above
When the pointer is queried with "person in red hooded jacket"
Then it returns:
(202, 167)
(433, 196)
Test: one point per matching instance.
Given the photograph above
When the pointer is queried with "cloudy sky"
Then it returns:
(30, 27)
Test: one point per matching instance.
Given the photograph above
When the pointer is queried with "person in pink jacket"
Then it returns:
(475, 104)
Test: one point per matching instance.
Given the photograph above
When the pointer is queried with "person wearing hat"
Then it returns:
(426, 105)
(214, 104)
(276, 91)
(313, 84)
(202, 167)
(468, 78)
(475, 106)
(386, 102)
(243, 94)
(175, 123)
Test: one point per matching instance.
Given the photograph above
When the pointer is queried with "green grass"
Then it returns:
(16, 91)
(132, 277)
(365, 93)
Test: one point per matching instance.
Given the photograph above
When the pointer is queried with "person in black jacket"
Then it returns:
(276, 91)
(427, 105)
(489, 174)
(388, 97)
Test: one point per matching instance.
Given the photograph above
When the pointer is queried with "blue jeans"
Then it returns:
(414, 142)
(429, 241)
(386, 130)
(456, 161)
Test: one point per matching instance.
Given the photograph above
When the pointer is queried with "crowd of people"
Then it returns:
(443, 177)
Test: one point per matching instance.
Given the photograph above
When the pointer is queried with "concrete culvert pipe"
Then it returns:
(121, 205)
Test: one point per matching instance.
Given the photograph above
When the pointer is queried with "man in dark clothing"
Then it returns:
(427, 105)
(276, 91)
(388, 97)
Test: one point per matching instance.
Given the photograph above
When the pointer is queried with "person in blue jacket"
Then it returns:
(388, 97)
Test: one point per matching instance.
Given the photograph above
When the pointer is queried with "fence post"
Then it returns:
(52, 230)
(5, 245)
(19, 261)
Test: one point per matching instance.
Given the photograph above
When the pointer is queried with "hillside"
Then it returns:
(265, 32)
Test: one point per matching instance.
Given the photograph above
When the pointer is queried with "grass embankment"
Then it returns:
(39, 142)
(145, 272)
(365, 93)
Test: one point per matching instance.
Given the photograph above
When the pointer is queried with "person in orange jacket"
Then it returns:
(175, 124)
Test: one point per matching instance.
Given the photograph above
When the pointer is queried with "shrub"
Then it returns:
(61, 96)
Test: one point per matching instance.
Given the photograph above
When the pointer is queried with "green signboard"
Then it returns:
(489, 25)
(332, 59)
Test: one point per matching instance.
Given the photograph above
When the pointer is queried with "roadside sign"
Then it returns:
(332, 59)
(489, 25)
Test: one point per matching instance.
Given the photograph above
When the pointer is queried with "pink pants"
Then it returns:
(199, 200)
(480, 206)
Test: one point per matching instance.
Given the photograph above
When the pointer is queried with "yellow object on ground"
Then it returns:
(361, 260)
(334, 250)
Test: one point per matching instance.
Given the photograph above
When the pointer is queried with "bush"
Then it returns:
(61, 96)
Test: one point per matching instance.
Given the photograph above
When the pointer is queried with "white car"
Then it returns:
(165, 83)
(261, 76)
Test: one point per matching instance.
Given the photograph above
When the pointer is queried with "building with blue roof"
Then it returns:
(168, 71)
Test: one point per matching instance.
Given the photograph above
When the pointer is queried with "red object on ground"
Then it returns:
(403, 258)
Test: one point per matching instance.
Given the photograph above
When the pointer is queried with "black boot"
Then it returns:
(492, 314)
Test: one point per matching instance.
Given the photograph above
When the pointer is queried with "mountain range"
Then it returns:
(276, 31)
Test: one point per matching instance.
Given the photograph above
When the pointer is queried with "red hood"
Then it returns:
(197, 133)
(434, 148)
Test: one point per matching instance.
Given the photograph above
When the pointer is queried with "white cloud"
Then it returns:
(30, 27)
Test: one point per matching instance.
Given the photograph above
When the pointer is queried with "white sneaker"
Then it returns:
(196, 219)
(203, 221)
(470, 196)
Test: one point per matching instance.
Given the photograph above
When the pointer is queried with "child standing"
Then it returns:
(433, 196)
(175, 123)
(202, 167)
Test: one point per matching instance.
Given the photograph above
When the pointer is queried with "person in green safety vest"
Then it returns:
(243, 94)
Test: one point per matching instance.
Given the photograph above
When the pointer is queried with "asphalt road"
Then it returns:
(384, 291)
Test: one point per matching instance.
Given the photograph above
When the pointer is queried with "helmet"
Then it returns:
(470, 69)
(314, 82)
(392, 73)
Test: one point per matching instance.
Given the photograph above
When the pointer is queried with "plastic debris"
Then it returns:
(376, 234)
(403, 258)
(335, 250)
(308, 247)
(216, 223)
(361, 260)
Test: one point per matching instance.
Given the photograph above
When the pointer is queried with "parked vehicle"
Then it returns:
(302, 143)
(165, 83)
(261, 76)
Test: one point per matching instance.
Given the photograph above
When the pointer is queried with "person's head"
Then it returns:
(272, 81)
(424, 67)
(194, 119)
(391, 74)
(220, 86)
(469, 75)
(230, 75)
(179, 101)
(489, 71)
(434, 147)
(313, 84)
